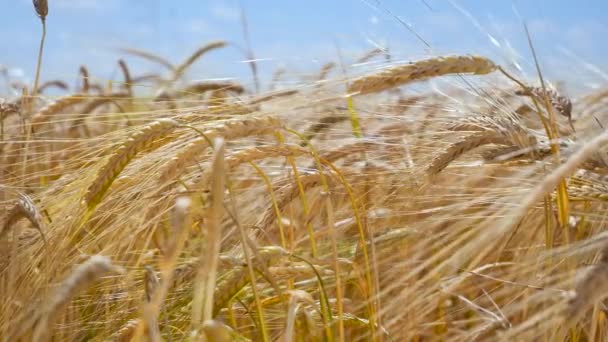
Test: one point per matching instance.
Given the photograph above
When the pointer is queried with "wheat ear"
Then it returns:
(250, 155)
(138, 141)
(217, 331)
(286, 195)
(152, 283)
(325, 70)
(84, 75)
(561, 103)
(149, 56)
(402, 74)
(272, 96)
(6, 109)
(82, 277)
(346, 150)
(42, 116)
(127, 76)
(592, 287)
(179, 70)
(323, 124)
(204, 86)
(24, 207)
(371, 54)
(53, 84)
(228, 130)
(466, 144)
(233, 281)
(94, 104)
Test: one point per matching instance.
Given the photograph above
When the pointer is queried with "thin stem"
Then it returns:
(39, 64)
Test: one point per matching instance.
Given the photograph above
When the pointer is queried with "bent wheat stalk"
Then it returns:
(403, 74)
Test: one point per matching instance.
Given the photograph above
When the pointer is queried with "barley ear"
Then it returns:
(399, 75)
(138, 141)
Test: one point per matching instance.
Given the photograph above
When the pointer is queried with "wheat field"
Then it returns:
(340, 208)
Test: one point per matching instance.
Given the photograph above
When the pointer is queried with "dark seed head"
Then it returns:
(42, 8)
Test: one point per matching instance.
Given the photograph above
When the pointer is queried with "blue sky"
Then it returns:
(302, 35)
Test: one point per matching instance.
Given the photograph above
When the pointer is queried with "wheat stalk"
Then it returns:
(402, 74)
(202, 306)
(42, 9)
